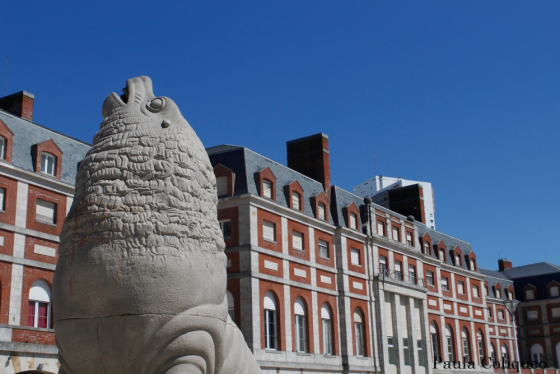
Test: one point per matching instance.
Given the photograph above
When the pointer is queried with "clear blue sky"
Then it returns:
(464, 94)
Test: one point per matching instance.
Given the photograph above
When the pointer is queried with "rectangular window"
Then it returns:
(380, 228)
(327, 344)
(555, 312)
(359, 339)
(498, 293)
(412, 274)
(430, 278)
(427, 248)
(396, 233)
(398, 270)
(532, 315)
(300, 333)
(353, 220)
(435, 346)
(441, 255)
(355, 257)
(221, 184)
(391, 349)
(475, 291)
(445, 284)
(2, 199)
(295, 201)
(461, 288)
(323, 249)
(489, 312)
(297, 240)
(466, 355)
(2, 148)
(406, 352)
(472, 265)
(225, 226)
(383, 265)
(485, 291)
(510, 295)
(48, 163)
(420, 353)
(267, 189)
(554, 292)
(321, 211)
(269, 231)
(46, 211)
(500, 314)
(409, 239)
(457, 260)
(529, 295)
(270, 329)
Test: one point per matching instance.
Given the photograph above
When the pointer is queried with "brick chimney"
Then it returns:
(504, 264)
(310, 156)
(20, 104)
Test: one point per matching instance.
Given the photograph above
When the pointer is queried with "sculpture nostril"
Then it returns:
(165, 124)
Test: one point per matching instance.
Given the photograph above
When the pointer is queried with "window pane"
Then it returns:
(355, 256)
(327, 345)
(380, 228)
(295, 201)
(297, 240)
(321, 211)
(222, 186)
(42, 317)
(2, 148)
(267, 189)
(31, 314)
(323, 249)
(45, 211)
(352, 221)
(2, 198)
(226, 228)
(269, 231)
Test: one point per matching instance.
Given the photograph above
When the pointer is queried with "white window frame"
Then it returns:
(324, 249)
(3, 144)
(321, 209)
(269, 225)
(409, 239)
(296, 200)
(353, 221)
(223, 224)
(445, 283)
(298, 241)
(267, 189)
(355, 258)
(2, 199)
(46, 219)
(45, 158)
(430, 278)
(461, 288)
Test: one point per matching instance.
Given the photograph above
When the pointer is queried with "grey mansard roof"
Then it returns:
(450, 243)
(27, 134)
(245, 163)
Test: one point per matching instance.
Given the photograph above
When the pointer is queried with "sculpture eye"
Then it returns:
(155, 105)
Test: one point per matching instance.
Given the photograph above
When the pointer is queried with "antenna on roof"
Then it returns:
(6, 78)
(374, 162)
(499, 255)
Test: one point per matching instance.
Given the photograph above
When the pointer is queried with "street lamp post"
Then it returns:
(511, 306)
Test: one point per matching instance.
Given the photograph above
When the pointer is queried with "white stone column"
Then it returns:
(15, 294)
(19, 245)
(285, 239)
(21, 204)
(287, 317)
(315, 310)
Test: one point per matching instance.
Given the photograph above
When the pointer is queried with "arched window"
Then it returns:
(270, 340)
(505, 354)
(359, 332)
(48, 163)
(466, 345)
(299, 312)
(230, 305)
(435, 341)
(480, 345)
(39, 310)
(327, 329)
(449, 342)
(492, 352)
(537, 353)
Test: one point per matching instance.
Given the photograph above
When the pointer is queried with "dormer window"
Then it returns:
(321, 211)
(353, 220)
(457, 260)
(442, 255)
(427, 248)
(498, 293)
(48, 164)
(296, 201)
(472, 267)
(267, 189)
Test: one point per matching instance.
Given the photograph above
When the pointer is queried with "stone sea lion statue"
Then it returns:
(140, 283)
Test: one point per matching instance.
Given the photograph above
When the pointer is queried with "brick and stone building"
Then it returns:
(320, 280)
(537, 287)
(37, 173)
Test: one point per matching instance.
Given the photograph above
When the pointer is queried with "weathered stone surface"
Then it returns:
(141, 277)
